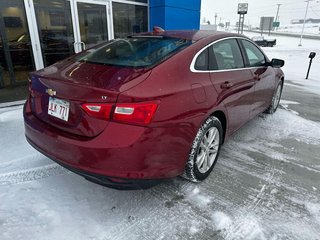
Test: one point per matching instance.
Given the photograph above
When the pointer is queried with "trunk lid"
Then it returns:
(78, 83)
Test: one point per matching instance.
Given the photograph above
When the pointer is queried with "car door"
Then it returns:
(233, 83)
(262, 74)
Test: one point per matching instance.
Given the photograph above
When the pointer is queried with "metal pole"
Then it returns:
(304, 22)
(242, 23)
(215, 19)
(277, 15)
(309, 68)
(239, 24)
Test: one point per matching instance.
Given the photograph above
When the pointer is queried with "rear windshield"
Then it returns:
(135, 52)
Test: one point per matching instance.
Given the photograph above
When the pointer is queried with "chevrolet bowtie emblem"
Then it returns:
(51, 92)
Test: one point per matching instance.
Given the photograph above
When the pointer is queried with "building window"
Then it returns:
(129, 19)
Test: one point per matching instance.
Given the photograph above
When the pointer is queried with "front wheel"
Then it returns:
(205, 150)
(275, 99)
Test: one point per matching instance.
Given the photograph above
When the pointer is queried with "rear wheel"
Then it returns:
(205, 150)
(275, 99)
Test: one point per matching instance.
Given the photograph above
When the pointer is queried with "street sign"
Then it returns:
(276, 24)
(243, 8)
(266, 23)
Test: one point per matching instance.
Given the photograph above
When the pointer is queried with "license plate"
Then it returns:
(58, 108)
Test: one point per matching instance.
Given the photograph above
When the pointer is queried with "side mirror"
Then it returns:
(277, 63)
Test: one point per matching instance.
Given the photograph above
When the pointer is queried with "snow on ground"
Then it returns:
(310, 28)
(266, 184)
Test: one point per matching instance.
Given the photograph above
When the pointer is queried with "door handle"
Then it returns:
(226, 85)
(256, 77)
(83, 45)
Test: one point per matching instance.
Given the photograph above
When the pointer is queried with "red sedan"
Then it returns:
(131, 112)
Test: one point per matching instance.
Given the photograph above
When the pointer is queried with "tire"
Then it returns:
(275, 99)
(198, 168)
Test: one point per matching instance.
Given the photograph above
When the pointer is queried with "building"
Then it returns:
(37, 33)
(309, 20)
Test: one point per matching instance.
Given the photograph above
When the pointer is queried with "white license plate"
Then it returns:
(58, 108)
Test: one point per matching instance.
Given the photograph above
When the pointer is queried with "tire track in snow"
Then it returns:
(31, 174)
(162, 193)
(261, 200)
(141, 228)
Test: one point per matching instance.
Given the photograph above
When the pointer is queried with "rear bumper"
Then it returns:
(121, 155)
(116, 183)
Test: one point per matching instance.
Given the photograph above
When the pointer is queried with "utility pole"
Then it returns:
(277, 15)
(215, 19)
(304, 21)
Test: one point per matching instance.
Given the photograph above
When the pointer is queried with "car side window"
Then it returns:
(225, 55)
(202, 61)
(255, 56)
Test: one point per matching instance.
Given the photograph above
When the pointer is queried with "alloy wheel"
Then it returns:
(208, 149)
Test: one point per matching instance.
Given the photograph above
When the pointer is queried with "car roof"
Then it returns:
(193, 35)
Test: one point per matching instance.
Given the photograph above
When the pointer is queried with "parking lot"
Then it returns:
(266, 184)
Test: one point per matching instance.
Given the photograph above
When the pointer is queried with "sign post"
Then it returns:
(311, 56)
(242, 10)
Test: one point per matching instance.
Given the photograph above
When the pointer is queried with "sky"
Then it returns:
(227, 10)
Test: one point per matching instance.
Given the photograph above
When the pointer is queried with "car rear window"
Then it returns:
(135, 52)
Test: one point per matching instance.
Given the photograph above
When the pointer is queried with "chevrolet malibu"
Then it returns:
(131, 112)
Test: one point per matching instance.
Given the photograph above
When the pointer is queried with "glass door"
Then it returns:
(54, 25)
(65, 27)
(16, 55)
(92, 23)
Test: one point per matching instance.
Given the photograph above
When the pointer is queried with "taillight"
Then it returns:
(131, 113)
(97, 110)
(136, 113)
